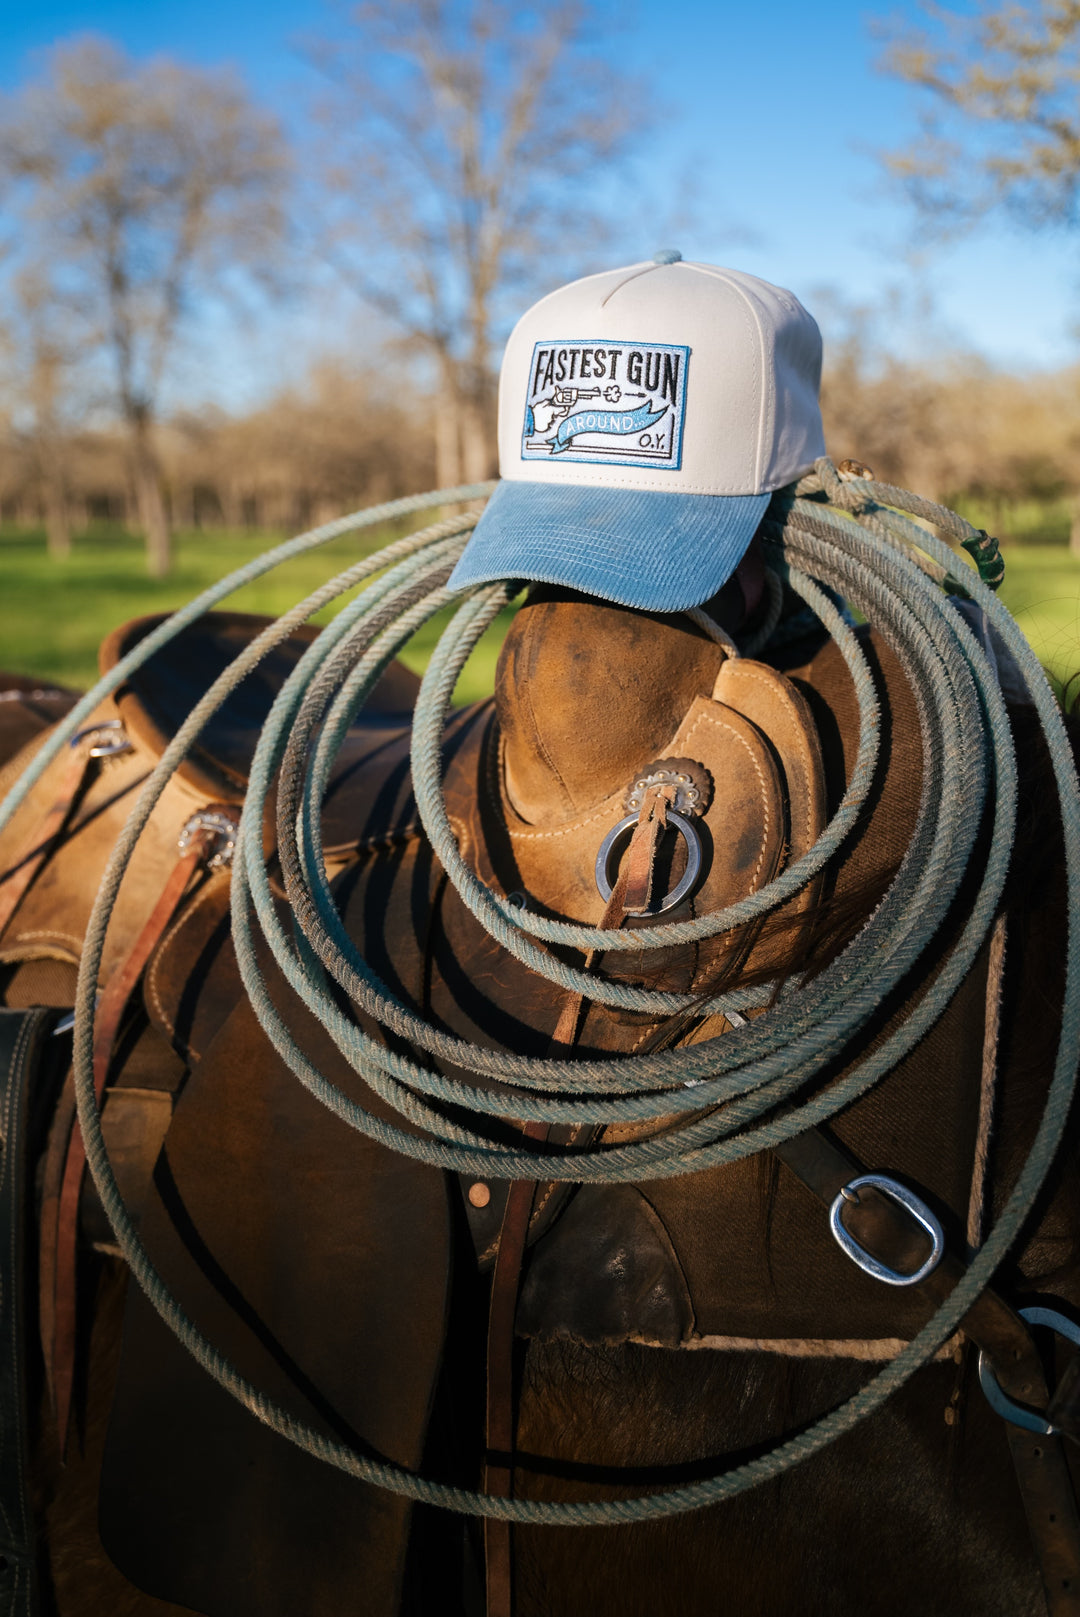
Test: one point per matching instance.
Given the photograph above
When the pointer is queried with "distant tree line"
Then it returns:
(311, 453)
(952, 430)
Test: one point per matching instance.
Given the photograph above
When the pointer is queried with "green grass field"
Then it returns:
(53, 615)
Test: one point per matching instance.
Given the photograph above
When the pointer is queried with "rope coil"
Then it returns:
(863, 540)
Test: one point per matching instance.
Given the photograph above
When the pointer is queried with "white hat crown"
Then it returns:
(670, 377)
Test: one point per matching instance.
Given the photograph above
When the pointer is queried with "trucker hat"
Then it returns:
(646, 415)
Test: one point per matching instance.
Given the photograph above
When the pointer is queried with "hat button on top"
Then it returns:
(667, 255)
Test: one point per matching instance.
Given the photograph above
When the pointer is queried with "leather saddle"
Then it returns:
(778, 748)
(326, 1268)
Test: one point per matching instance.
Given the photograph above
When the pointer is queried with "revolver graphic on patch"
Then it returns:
(569, 396)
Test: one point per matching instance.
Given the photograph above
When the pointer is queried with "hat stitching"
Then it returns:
(765, 391)
(644, 270)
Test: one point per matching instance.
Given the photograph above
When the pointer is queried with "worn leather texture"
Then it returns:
(22, 1039)
(319, 1263)
(746, 1279)
(341, 1279)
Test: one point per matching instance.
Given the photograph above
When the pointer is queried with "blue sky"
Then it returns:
(773, 108)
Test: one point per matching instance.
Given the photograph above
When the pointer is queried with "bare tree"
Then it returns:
(143, 188)
(40, 378)
(1002, 115)
(469, 138)
(1002, 130)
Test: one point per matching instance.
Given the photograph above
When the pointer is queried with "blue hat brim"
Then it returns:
(656, 552)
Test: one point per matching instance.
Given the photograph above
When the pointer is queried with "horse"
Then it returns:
(657, 1328)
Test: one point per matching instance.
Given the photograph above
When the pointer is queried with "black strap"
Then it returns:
(22, 1035)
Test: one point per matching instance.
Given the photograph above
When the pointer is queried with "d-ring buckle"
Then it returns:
(919, 1212)
(1016, 1414)
(686, 880)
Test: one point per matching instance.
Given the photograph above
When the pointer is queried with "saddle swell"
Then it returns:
(338, 1277)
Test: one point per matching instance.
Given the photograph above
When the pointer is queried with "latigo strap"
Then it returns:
(634, 883)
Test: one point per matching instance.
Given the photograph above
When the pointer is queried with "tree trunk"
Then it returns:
(476, 439)
(447, 437)
(232, 505)
(150, 500)
(57, 521)
(51, 470)
(1074, 527)
(183, 506)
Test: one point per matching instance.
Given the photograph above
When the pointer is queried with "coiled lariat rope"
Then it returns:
(858, 537)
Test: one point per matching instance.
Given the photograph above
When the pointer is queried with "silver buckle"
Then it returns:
(1017, 1414)
(110, 738)
(919, 1212)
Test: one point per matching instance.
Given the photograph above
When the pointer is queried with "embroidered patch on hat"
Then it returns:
(606, 403)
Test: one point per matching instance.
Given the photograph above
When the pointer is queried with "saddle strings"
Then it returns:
(863, 539)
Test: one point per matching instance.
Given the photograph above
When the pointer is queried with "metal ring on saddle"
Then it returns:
(686, 881)
(222, 826)
(107, 739)
(1016, 1414)
(693, 788)
(907, 1199)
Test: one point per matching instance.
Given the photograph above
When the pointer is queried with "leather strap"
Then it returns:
(22, 1036)
(60, 1208)
(499, 1455)
(641, 854)
(37, 847)
(636, 868)
(881, 1226)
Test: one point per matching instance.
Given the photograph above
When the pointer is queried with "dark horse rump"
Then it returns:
(665, 1329)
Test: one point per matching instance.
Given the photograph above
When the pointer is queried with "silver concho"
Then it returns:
(692, 783)
(223, 825)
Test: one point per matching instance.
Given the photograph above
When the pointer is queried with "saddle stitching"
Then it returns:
(745, 673)
(710, 718)
(460, 828)
(606, 809)
(492, 1249)
(489, 1251)
(45, 934)
(640, 1040)
(602, 813)
(152, 978)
